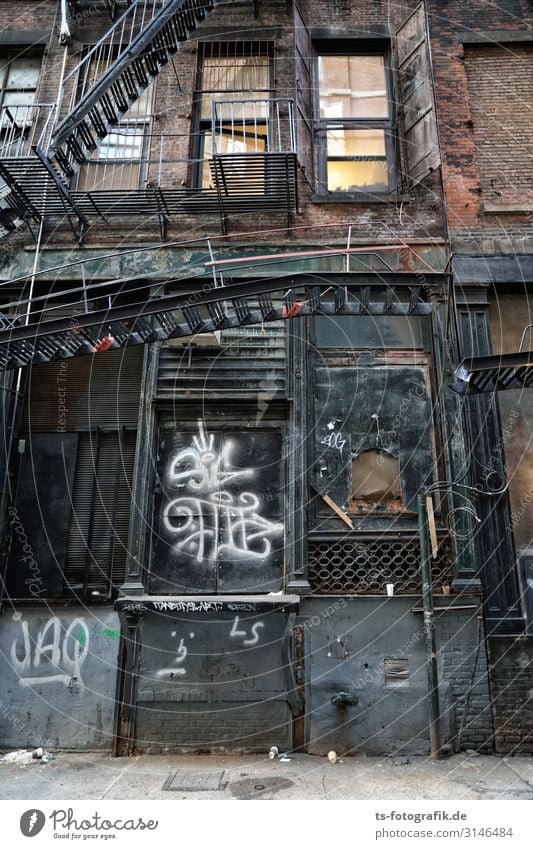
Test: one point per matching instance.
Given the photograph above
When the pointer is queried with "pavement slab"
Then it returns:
(73, 776)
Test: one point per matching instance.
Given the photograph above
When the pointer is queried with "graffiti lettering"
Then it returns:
(254, 630)
(133, 607)
(63, 658)
(171, 671)
(210, 521)
(334, 440)
(188, 606)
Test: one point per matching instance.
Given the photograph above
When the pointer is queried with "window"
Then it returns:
(19, 76)
(396, 672)
(121, 159)
(240, 75)
(355, 124)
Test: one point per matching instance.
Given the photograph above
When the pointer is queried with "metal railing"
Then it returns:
(253, 126)
(111, 46)
(24, 125)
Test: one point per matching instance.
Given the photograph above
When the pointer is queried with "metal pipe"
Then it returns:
(429, 627)
(64, 31)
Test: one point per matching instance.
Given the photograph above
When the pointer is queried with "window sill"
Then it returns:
(360, 197)
(513, 208)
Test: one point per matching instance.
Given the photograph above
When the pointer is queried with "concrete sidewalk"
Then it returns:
(99, 776)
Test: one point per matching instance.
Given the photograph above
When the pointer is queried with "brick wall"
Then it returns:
(511, 673)
(499, 83)
(457, 640)
(173, 727)
(469, 139)
(419, 216)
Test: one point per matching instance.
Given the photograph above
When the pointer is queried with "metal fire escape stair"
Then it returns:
(100, 109)
(494, 373)
(133, 316)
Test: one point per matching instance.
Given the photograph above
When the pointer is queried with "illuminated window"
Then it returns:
(239, 74)
(355, 129)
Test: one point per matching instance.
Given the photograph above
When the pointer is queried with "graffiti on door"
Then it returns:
(207, 520)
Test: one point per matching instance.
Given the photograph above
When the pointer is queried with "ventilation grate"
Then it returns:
(365, 568)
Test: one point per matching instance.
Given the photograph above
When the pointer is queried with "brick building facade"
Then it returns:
(230, 238)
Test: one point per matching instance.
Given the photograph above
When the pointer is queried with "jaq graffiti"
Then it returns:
(55, 654)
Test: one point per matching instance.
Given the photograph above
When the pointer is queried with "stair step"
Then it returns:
(125, 88)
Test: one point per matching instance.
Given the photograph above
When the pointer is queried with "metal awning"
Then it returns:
(494, 373)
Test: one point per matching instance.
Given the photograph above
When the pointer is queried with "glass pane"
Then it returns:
(231, 107)
(109, 176)
(24, 73)
(20, 108)
(369, 331)
(240, 74)
(123, 144)
(357, 176)
(353, 87)
(228, 142)
(344, 142)
(241, 138)
(142, 107)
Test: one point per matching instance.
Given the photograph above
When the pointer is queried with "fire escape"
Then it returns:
(42, 152)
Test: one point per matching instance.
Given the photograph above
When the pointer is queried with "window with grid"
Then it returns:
(240, 75)
(120, 162)
(356, 139)
(19, 76)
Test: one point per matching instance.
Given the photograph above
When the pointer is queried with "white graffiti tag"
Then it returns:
(62, 659)
(334, 440)
(210, 521)
(177, 670)
(251, 641)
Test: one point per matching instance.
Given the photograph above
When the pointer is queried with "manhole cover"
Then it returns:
(185, 779)
(251, 788)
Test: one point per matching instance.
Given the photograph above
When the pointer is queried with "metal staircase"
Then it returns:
(494, 373)
(73, 323)
(116, 71)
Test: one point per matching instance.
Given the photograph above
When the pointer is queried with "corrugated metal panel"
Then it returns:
(249, 361)
(101, 502)
(83, 393)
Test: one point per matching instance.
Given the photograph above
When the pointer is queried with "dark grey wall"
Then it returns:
(57, 678)
(212, 681)
(511, 671)
(345, 650)
(347, 641)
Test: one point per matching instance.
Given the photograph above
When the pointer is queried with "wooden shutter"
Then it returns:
(416, 97)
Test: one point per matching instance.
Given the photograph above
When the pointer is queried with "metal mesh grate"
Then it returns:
(366, 567)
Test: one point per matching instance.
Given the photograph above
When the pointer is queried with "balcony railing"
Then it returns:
(253, 126)
(24, 125)
(251, 166)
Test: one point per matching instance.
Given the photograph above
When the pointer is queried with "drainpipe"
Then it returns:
(64, 30)
(429, 626)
